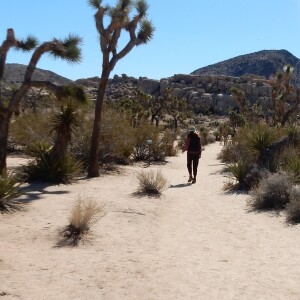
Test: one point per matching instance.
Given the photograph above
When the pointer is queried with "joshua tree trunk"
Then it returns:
(60, 146)
(4, 123)
(93, 170)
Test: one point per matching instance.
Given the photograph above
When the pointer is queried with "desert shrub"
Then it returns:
(230, 154)
(239, 171)
(162, 143)
(168, 138)
(254, 175)
(217, 135)
(211, 138)
(293, 207)
(203, 135)
(142, 134)
(50, 168)
(85, 213)
(9, 191)
(80, 144)
(120, 141)
(151, 182)
(117, 137)
(272, 193)
(28, 128)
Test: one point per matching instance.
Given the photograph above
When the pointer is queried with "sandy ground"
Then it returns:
(195, 242)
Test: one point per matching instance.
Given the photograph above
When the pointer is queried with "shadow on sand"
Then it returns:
(180, 185)
(34, 191)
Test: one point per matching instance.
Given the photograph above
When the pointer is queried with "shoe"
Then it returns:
(190, 179)
(194, 180)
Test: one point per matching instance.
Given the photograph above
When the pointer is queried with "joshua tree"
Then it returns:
(175, 107)
(251, 113)
(67, 49)
(140, 32)
(282, 93)
(137, 107)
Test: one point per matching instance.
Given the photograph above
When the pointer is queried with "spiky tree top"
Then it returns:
(66, 49)
(140, 29)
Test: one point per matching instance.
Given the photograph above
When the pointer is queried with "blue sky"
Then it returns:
(189, 34)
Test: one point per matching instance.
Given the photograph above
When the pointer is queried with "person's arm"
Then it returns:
(186, 145)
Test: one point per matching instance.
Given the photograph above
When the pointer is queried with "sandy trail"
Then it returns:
(195, 242)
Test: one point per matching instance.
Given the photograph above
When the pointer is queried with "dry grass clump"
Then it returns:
(151, 183)
(272, 192)
(293, 207)
(85, 213)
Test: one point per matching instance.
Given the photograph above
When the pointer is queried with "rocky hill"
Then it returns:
(262, 63)
(14, 73)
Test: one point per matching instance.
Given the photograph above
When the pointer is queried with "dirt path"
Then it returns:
(195, 242)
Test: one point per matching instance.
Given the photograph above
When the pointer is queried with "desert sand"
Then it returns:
(195, 242)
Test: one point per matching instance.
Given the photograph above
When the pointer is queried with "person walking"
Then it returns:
(194, 149)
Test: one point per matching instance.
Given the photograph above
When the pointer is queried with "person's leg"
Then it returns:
(195, 166)
(189, 166)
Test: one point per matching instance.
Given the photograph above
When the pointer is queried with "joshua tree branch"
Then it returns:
(130, 45)
(45, 47)
(99, 20)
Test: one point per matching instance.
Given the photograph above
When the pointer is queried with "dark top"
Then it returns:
(193, 143)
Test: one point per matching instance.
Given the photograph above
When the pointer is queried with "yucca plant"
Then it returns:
(151, 183)
(258, 138)
(9, 191)
(50, 168)
(63, 124)
(291, 163)
(54, 164)
(239, 172)
(293, 132)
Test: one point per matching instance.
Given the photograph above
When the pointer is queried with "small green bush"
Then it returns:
(272, 193)
(9, 191)
(293, 207)
(151, 183)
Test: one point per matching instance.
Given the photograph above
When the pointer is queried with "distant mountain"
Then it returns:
(262, 63)
(14, 73)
